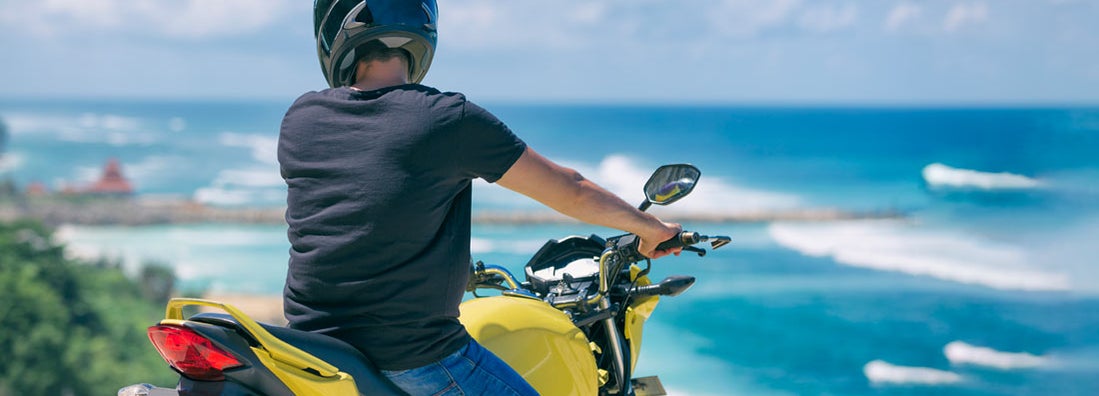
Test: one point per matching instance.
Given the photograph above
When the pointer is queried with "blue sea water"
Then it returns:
(988, 286)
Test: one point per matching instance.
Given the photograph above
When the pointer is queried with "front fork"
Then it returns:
(618, 358)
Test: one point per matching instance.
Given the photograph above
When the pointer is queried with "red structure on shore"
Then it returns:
(111, 182)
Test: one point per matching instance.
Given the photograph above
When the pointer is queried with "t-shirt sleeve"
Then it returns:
(487, 148)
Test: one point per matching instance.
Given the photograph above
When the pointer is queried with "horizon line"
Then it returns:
(589, 102)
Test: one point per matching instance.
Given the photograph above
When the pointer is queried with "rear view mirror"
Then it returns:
(670, 183)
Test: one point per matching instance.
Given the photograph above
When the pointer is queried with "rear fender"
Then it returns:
(303, 374)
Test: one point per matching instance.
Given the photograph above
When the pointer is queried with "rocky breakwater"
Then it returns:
(132, 211)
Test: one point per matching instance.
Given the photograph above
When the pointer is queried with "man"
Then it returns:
(379, 171)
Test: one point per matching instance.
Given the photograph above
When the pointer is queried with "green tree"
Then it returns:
(157, 281)
(70, 327)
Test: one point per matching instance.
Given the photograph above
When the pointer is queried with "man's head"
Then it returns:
(350, 30)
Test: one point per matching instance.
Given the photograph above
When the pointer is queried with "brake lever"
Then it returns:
(700, 251)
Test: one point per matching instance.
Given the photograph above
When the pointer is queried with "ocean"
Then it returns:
(988, 285)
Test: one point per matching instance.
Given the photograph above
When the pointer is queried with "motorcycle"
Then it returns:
(574, 327)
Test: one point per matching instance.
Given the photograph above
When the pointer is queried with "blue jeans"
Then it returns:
(473, 370)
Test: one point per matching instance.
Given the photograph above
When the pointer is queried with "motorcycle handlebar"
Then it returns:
(684, 239)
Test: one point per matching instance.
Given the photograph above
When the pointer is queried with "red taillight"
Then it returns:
(191, 353)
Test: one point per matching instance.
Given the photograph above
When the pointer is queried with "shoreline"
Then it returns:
(138, 212)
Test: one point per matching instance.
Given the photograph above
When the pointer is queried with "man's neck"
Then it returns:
(381, 74)
(373, 84)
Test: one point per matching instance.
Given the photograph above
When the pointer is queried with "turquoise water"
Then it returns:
(989, 286)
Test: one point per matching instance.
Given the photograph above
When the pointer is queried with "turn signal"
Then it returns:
(191, 354)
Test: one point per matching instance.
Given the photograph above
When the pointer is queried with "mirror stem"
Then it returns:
(644, 205)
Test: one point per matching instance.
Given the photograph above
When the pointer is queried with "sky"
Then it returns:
(579, 51)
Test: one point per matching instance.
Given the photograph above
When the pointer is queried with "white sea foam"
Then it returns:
(257, 184)
(939, 175)
(523, 247)
(11, 161)
(901, 247)
(233, 196)
(150, 171)
(882, 372)
(480, 246)
(247, 186)
(111, 129)
(626, 178)
(264, 148)
(177, 124)
(959, 352)
(247, 258)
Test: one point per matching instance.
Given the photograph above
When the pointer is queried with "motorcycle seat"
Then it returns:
(368, 379)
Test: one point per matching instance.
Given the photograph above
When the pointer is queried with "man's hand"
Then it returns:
(659, 234)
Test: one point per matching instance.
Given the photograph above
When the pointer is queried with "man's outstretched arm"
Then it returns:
(567, 191)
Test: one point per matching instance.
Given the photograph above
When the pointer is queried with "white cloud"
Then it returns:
(589, 12)
(181, 19)
(825, 19)
(965, 14)
(99, 13)
(482, 24)
(571, 24)
(747, 18)
(200, 18)
(902, 14)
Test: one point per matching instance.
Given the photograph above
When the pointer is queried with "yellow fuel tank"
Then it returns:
(538, 341)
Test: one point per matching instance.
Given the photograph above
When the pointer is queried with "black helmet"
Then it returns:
(341, 26)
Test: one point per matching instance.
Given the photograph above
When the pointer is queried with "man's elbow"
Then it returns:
(575, 176)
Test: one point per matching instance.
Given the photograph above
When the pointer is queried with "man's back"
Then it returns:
(379, 211)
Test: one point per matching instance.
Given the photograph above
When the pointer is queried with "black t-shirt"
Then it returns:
(379, 215)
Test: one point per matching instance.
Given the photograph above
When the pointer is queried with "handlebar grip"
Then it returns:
(684, 239)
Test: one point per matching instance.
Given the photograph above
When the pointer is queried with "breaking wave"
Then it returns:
(882, 372)
(115, 130)
(939, 175)
(961, 353)
(626, 178)
(895, 246)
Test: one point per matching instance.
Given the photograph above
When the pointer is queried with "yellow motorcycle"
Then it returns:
(574, 327)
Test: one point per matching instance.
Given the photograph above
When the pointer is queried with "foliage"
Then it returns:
(71, 328)
(157, 282)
